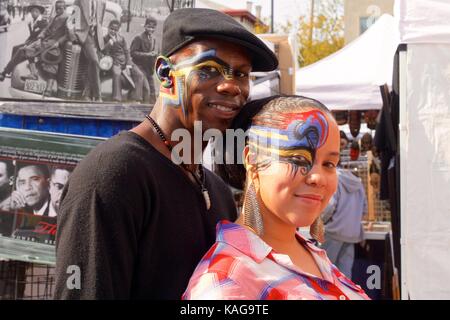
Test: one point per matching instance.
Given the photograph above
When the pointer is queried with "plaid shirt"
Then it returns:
(240, 265)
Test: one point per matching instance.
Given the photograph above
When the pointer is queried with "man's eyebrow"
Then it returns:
(204, 56)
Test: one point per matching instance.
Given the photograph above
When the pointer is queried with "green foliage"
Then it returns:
(322, 37)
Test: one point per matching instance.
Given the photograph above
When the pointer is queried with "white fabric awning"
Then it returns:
(423, 21)
(350, 78)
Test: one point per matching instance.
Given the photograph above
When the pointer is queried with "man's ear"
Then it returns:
(163, 68)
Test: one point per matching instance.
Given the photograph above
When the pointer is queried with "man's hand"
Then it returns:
(17, 200)
(129, 67)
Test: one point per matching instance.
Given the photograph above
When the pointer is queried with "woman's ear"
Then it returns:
(252, 173)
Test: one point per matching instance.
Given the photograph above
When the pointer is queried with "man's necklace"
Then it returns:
(198, 177)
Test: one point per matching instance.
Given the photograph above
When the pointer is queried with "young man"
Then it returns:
(133, 224)
(52, 35)
(37, 23)
(116, 47)
(144, 50)
(35, 27)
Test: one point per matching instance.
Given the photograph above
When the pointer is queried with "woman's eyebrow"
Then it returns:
(333, 154)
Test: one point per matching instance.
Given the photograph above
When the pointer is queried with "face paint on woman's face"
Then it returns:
(292, 138)
(308, 142)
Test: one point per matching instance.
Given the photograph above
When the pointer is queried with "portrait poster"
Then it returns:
(34, 168)
(64, 50)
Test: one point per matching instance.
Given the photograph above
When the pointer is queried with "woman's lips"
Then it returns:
(310, 198)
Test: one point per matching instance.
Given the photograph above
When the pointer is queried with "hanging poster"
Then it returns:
(34, 168)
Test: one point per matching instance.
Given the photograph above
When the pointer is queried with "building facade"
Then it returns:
(359, 15)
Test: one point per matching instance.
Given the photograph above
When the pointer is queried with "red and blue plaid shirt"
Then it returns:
(240, 265)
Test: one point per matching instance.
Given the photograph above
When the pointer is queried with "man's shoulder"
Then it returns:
(117, 162)
(120, 147)
(63, 16)
(121, 38)
(138, 37)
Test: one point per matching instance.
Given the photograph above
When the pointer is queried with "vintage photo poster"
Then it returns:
(34, 168)
(81, 50)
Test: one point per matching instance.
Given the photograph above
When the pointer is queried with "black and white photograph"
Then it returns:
(100, 51)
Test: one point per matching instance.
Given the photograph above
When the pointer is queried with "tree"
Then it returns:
(262, 26)
(320, 36)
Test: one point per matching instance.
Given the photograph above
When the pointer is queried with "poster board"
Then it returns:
(34, 167)
(76, 59)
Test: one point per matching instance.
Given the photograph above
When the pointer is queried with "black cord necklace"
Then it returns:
(198, 177)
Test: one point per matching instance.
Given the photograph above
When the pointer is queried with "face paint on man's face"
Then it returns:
(206, 66)
(292, 138)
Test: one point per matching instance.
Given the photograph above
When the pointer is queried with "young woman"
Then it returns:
(290, 162)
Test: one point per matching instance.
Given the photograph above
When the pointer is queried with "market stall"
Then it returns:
(424, 124)
(354, 83)
(350, 78)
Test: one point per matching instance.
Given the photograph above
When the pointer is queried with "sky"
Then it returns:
(284, 10)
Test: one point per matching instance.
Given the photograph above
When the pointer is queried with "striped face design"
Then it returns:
(289, 137)
(201, 69)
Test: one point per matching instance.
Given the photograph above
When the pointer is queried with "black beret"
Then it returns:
(183, 26)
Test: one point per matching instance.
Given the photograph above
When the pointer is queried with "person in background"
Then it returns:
(37, 22)
(342, 218)
(144, 50)
(35, 27)
(49, 39)
(344, 140)
(58, 180)
(88, 32)
(116, 47)
(6, 177)
(32, 194)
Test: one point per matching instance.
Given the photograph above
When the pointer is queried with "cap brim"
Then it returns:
(262, 60)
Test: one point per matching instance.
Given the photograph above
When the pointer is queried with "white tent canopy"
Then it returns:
(425, 147)
(350, 78)
(423, 21)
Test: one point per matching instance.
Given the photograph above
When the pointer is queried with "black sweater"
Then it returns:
(134, 223)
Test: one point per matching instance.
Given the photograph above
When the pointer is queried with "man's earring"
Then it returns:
(163, 66)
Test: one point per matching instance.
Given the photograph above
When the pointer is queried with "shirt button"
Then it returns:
(342, 297)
